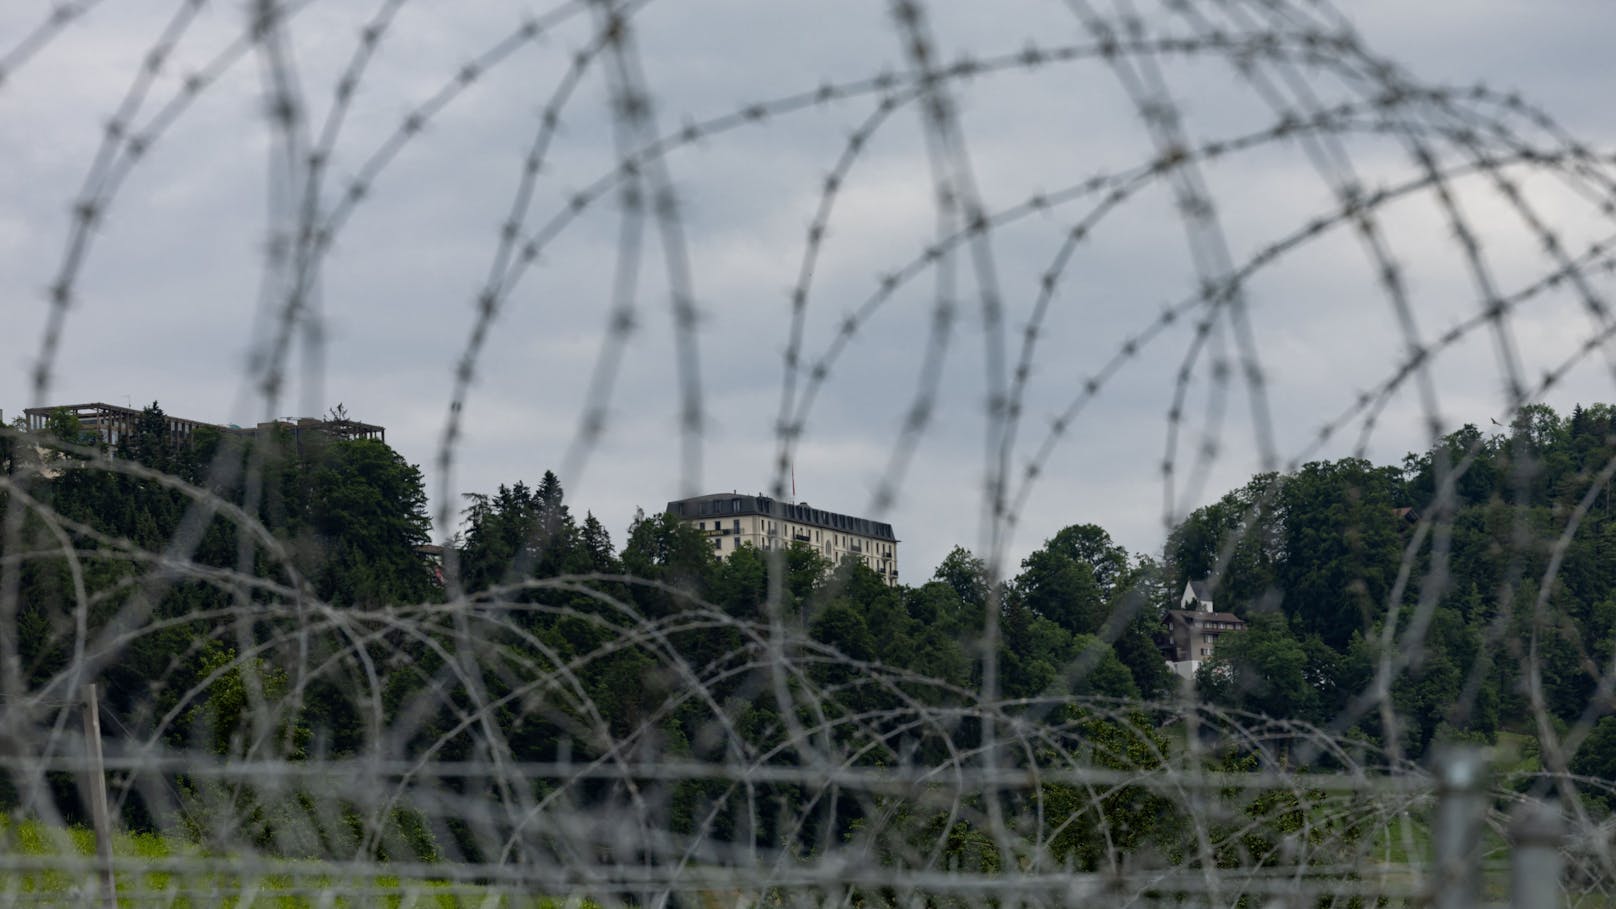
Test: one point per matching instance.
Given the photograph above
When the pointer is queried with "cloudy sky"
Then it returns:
(178, 292)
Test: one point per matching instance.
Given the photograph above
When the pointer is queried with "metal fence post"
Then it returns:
(1536, 833)
(1461, 809)
(96, 776)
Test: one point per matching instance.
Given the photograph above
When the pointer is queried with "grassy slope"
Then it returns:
(52, 866)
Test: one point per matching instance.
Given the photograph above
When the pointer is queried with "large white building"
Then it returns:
(731, 520)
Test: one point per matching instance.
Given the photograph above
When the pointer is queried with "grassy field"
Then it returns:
(53, 866)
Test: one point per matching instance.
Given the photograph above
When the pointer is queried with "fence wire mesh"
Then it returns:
(277, 719)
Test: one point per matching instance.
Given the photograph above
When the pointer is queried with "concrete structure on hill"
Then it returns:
(731, 519)
(108, 424)
(1194, 627)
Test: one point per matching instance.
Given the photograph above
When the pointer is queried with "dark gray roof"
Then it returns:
(1192, 617)
(723, 504)
(1202, 590)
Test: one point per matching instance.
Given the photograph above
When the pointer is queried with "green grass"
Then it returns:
(55, 866)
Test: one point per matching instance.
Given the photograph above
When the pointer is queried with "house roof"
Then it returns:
(1191, 615)
(1202, 590)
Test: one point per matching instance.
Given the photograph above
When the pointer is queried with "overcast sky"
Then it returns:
(175, 293)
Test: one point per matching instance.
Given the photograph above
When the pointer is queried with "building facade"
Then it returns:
(731, 520)
(1194, 627)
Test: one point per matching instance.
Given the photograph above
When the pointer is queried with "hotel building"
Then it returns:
(730, 520)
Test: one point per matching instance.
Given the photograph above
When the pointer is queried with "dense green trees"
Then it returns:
(362, 517)
(1478, 621)
(1088, 586)
(1263, 670)
(1342, 590)
(344, 517)
(1596, 759)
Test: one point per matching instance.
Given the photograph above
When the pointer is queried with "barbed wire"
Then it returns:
(620, 738)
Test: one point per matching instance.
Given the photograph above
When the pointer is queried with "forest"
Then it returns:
(186, 573)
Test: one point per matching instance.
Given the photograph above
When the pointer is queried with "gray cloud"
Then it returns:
(169, 300)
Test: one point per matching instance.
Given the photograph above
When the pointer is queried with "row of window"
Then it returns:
(715, 506)
(770, 542)
(1219, 626)
(866, 550)
(818, 537)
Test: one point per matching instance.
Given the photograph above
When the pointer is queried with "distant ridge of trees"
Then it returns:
(1309, 559)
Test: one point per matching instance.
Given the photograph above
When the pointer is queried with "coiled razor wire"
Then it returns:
(962, 795)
